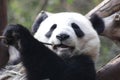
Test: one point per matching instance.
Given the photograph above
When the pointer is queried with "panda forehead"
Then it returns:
(64, 20)
(59, 20)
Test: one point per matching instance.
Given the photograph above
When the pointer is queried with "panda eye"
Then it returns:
(77, 30)
(49, 33)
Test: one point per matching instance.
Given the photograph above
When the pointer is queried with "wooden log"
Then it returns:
(112, 27)
(110, 71)
(109, 10)
(105, 8)
(4, 56)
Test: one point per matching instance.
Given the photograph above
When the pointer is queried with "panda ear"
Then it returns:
(39, 19)
(98, 23)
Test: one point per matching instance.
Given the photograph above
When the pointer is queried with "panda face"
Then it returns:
(69, 32)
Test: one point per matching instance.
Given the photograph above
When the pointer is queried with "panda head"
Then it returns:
(69, 32)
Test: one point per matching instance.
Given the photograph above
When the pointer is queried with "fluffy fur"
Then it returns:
(80, 67)
(41, 63)
(76, 27)
(71, 31)
(98, 23)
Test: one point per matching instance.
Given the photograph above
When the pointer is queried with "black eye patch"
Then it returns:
(49, 33)
(77, 30)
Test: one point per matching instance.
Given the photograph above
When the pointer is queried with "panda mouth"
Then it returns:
(62, 46)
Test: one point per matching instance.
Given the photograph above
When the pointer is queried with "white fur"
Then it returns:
(14, 55)
(88, 44)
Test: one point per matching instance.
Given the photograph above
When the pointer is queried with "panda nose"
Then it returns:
(62, 37)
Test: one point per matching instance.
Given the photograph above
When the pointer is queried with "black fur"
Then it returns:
(80, 67)
(77, 30)
(39, 61)
(38, 21)
(49, 33)
(98, 23)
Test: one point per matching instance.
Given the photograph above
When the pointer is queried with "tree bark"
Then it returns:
(106, 8)
(109, 10)
(3, 21)
(110, 71)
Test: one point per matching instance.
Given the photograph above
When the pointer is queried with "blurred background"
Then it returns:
(25, 11)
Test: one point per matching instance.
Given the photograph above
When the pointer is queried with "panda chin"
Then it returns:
(63, 50)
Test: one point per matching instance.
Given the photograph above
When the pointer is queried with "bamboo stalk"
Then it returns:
(2, 37)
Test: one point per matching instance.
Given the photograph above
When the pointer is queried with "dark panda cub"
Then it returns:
(40, 62)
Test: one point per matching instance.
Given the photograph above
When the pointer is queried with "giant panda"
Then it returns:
(73, 38)
(43, 64)
(71, 31)
(64, 21)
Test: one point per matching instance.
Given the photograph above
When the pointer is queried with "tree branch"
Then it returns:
(106, 8)
(43, 7)
(4, 56)
(109, 11)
